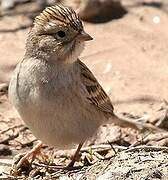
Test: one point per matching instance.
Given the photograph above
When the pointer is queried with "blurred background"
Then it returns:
(129, 56)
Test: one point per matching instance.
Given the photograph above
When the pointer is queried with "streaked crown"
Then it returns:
(51, 16)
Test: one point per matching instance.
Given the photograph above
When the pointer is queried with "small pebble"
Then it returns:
(156, 19)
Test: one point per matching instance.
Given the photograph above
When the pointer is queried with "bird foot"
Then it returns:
(21, 161)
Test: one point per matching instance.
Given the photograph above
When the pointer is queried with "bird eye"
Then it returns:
(61, 34)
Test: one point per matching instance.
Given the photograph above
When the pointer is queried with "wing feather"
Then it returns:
(96, 95)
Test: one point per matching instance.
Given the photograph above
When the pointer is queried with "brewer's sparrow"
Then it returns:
(55, 93)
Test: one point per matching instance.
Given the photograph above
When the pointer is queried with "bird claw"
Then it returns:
(22, 163)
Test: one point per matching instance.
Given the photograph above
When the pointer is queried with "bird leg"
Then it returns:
(34, 152)
(75, 156)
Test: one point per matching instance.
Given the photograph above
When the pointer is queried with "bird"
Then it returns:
(54, 92)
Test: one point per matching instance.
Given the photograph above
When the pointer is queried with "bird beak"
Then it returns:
(83, 36)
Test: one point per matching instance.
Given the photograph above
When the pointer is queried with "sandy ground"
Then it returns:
(129, 56)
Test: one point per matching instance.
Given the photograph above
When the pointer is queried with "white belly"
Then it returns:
(62, 124)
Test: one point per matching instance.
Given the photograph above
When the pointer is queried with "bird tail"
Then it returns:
(140, 126)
